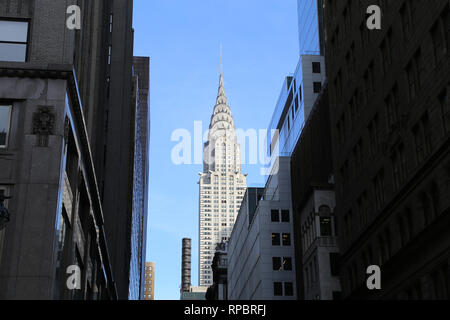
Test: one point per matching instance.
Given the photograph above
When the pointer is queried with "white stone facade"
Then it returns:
(252, 248)
(222, 185)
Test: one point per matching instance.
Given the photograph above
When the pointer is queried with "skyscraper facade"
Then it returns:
(71, 158)
(222, 185)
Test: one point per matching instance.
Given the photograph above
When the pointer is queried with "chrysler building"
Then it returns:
(222, 185)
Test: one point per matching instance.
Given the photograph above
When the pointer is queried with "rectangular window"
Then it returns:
(276, 263)
(316, 67)
(325, 227)
(334, 264)
(439, 45)
(109, 54)
(379, 190)
(337, 295)
(5, 117)
(422, 138)
(277, 289)
(276, 239)
(287, 264)
(284, 215)
(13, 40)
(406, 20)
(288, 289)
(317, 87)
(3, 191)
(386, 51)
(392, 107)
(413, 73)
(374, 135)
(399, 163)
(275, 215)
(445, 106)
(286, 239)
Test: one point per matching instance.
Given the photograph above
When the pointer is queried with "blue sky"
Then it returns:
(182, 39)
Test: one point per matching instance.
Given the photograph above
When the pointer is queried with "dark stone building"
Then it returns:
(313, 202)
(390, 120)
(218, 290)
(70, 112)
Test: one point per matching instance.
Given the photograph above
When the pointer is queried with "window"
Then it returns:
(276, 263)
(337, 295)
(386, 51)
(277, 289)
(325, 227)
(111, 23)
(13, 40)
(287, 264)
(406, 19)
(3, 191)
(317, 87)
(286, 239)
(439, 43)
(379, 190)
(334, 264)
(392, 107)
(413, 72)
(275, 216)
(422, 138)
(399, 164)
(288, 289)
(316, 67)
(276, 239)
(284, 215)
(5, 116)
(374, 135)
(445, 106)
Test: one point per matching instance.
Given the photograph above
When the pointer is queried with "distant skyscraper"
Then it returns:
(222, 185)
(149, 286)
(186, 265)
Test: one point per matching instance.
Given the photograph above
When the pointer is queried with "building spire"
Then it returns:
(221, 69)
(221, 98)
(221, 117)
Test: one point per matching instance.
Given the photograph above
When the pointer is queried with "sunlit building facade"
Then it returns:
(149, 281)
(222, 185)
